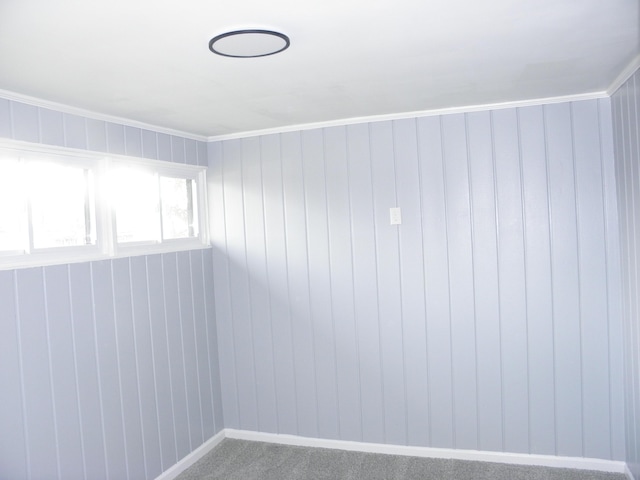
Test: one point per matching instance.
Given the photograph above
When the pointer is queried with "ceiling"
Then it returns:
(149, 60)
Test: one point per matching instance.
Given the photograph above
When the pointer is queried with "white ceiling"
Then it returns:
(148, 60)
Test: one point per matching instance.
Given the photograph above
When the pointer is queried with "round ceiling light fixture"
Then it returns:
(249, 43)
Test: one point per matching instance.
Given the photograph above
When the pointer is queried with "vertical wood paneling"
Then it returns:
(436, 284)
(460, 264)
(109, 369)
(410, 239)
(63, 372)
(13, 448)
(343, 326)
(52, 130)
(176, 355)
(626, 116)
(389, 288)
(466, 326)
(190, 349)
(538, 280)
(258, 285)
(162, 362)
(365, 283)
(511, 271)
(565, 251)
(486, 287)
(85, 342)
(295, 211)
(38, 387)
(144, 358)
(320, 301)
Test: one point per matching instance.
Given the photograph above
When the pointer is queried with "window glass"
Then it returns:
(135, 196)
(62, 205)
(179, 212)
(12, 208)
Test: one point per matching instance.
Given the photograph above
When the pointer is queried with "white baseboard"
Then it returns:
(192, 458)
(577, 463)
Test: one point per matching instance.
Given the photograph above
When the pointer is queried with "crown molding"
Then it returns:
(625, 75)
(413, 114)
(60, 107)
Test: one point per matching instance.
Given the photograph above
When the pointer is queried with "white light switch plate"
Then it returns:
(395, 216)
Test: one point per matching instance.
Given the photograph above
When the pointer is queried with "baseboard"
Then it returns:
(577, 463)
(192, 458)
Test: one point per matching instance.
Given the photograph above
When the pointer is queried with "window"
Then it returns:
(60, 206)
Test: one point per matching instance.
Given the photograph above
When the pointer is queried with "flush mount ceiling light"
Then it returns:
(249, 43)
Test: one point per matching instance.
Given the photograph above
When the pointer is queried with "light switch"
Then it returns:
(395, 216)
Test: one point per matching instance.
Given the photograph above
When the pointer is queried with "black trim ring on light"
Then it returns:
(242, 32)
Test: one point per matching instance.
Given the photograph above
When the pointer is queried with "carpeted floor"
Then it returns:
(243, 460)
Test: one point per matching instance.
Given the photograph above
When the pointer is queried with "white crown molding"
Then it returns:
(576, 463)
(414, 114)
(60, 107)
(624, 75)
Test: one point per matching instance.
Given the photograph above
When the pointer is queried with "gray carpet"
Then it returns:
(243, 460)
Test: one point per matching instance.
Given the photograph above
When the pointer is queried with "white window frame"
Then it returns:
(106, 245)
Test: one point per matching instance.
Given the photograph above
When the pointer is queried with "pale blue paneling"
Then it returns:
(278, 287)
(439, 404)
(145, 363)
(177, 149)
(85, 344)
(115, 138)
(407, 169)
(202, 153)
(96, 380)
(149, 144)
(212, 340)
(133, 141)
(538, 280)
(162, 363)
(390, 315)
(75, 131)
(5, 118)
(63, 373)
(486, 281)
(190, 151)
(24, 120)
(176, 355)
(467, 326)
(259, 287)
(341, 280)
(96, 135)
(511, 271)
(13, 453)
(198, 302)
(164, 147)
(461, 297)
(239, 293)
(566, 280)
(302, 331)
(109, 369)
(190, 349)
(128, 368)
(626, 114)
(320, 302)
(37, 383)
(52, 129)
(365, 283)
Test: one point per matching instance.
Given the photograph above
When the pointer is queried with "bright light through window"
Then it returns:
(62, 205)
(12, 208)
(179, 212)
(135, 195)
